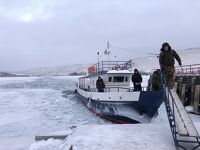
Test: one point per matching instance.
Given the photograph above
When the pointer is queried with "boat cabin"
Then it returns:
(116, 77)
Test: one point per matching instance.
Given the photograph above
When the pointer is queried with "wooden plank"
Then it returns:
(185, 119)
(175, 86)
(181, 129)
(46, 137)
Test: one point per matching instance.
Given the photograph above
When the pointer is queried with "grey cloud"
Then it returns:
(76, 29)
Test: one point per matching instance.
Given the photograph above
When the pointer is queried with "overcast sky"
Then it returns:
(45, 33)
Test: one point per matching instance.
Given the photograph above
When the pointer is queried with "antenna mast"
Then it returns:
(107, 50)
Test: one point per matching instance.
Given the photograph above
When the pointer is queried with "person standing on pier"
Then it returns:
(137, 80)
(167, 61)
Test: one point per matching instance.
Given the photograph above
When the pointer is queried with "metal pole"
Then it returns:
(98, 62)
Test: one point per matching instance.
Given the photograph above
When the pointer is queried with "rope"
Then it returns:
(133, 51)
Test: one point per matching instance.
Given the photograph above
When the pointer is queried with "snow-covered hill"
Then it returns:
(57, 71)
(188, 57)
(6, 74)
(146, 64)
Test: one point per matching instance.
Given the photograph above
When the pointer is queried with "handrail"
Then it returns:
(172, 119)
(111, 65)
(108, 89)
(188, 70)
(169, 110)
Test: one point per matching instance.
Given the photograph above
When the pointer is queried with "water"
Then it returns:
(32, 106)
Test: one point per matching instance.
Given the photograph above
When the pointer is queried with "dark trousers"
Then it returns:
(100, 90)
(137, 87)
(155, 87)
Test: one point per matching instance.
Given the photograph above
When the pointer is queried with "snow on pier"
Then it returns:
(122, 137)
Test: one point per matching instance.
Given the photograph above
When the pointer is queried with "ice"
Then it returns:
(50, 144)
(37, 106)
(121, 137)
(47, 105)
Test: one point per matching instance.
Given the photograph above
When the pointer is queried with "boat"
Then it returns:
(119, 102)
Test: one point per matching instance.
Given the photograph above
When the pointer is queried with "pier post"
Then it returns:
(196, 104)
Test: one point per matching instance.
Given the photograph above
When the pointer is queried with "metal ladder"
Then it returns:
(184, 133)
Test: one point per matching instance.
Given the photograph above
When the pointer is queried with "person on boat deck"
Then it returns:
(149, 83)
(137, 80)
(100, 84)
(167, 61)
(155, 80)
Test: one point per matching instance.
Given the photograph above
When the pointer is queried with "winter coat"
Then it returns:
(136, 78)
(100, 84)
(166, 58)
(155, 81)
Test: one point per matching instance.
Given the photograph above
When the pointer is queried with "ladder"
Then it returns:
(184, 133)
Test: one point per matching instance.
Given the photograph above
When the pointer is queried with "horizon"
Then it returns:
(85, 64)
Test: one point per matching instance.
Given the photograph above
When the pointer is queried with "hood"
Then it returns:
(163, 46)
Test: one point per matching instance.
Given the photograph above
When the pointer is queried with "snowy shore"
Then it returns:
(115, 137)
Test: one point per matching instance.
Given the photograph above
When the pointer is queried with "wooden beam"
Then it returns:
(183, 117)
(46, 137)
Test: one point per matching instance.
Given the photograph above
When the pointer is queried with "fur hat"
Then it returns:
(163, 46)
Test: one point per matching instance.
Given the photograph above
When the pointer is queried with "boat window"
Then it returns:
(126, 79)
(118, 79)
(110, 79)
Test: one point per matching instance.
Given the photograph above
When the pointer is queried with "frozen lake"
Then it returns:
(44, 105)
(32, 106)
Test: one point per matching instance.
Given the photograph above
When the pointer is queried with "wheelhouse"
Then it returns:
(116, 76)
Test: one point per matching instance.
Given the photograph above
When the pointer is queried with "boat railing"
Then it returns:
(110, 65)
(186, 70)
(115, 89)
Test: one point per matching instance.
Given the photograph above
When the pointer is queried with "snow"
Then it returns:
(7, 80)
(15, 143)
(152, 136)
(120, 71)
(46, 145)
(35, 106)
(56, 71)
(38, 106)
(146, 64)
(122, 137)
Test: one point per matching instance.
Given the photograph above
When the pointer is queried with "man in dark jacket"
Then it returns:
(137, 80)
(155, 80)
(100, 84)
(167, 61)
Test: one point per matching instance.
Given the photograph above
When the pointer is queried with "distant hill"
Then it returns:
(188, 57)
(6, 74)
(78, 69)
(144, 64)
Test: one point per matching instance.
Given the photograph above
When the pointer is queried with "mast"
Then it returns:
(107, 50)
(98, 62)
